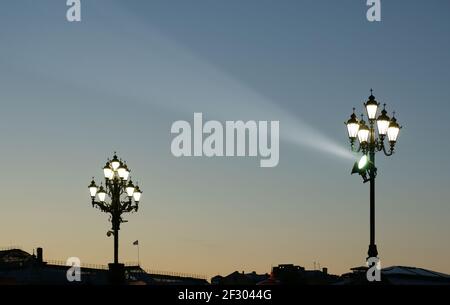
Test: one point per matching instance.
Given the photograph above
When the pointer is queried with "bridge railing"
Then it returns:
(135, 264)
(10, 248)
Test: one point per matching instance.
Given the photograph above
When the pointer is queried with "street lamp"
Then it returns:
(118, 196)
(371, 140)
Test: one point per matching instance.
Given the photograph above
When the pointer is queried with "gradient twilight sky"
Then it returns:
(72, 93)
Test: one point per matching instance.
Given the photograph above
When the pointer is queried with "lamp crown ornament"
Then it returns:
(353, 118)
(362, 122)
(383, 112)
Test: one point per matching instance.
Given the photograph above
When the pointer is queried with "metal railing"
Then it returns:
(10, 248)
(176, 274)
(83, 265)
(135, 264)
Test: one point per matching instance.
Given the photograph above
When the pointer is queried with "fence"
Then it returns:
(83, 265)
(177, 274)
(10, 248)
(134, 264)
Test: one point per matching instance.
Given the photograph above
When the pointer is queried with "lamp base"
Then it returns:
(116, 274)
(373, 252)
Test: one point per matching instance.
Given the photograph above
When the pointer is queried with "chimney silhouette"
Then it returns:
(39, 255)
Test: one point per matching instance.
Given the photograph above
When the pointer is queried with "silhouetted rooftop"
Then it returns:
(398, 275)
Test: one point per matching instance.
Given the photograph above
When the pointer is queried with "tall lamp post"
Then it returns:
(118, 196)
(370, 142)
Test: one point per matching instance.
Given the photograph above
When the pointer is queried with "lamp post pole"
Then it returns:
(372, 252)
(116, 226)
(370, 142)
(124, 197)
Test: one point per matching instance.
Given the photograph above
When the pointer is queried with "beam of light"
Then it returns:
(154, 70)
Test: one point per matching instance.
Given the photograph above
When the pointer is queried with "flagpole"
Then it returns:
(139, 262)
(136, 243)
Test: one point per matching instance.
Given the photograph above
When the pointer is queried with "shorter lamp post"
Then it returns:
(118, 196)
(371, 142)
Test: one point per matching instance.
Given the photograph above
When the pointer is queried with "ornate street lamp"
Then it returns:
(371, 140)
(118, 196)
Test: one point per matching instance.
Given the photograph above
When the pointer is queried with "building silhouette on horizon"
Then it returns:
(284, 274)
(18, 267)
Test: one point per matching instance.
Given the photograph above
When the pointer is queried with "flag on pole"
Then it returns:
(136, 243)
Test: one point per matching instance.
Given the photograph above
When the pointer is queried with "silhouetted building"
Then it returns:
(396, 275)
(19, 267)
(216, 280)
(288, 274)
(297, 275)
(239, 278)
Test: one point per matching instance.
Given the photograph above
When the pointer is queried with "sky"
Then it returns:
(73, 93)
